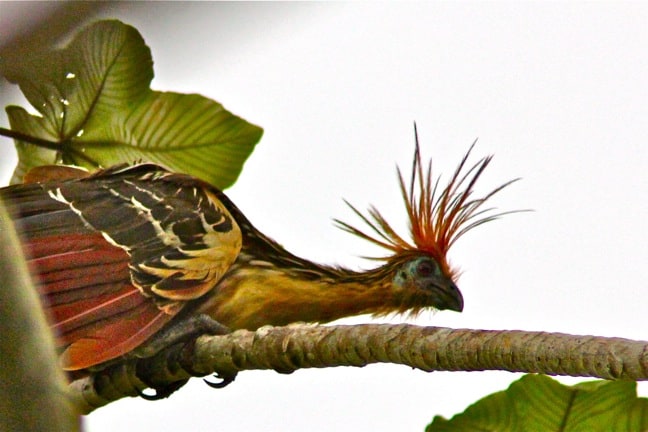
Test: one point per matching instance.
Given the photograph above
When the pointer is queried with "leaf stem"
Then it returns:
(74, 153)
(50, 145)
(40, 142)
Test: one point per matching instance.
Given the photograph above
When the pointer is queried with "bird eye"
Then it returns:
(426, 268)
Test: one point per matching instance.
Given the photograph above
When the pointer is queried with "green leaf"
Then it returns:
(95, 103)
(539, 403)
(29, 155)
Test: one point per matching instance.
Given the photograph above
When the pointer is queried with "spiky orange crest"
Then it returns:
(437, 216)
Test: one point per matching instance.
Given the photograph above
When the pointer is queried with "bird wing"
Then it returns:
(117, 254)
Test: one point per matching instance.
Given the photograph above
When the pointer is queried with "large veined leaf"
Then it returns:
(96, 106)
(538, 403)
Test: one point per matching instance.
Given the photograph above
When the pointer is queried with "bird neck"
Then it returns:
(268, 285)
(252, 295)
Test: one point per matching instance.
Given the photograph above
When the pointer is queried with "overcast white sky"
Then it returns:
(558, 92)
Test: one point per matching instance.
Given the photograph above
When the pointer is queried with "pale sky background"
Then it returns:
(557, 91)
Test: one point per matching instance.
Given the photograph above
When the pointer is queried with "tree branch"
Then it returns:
(286, 349)
(33, 391)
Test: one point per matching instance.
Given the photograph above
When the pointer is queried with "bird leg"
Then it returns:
(178, 331)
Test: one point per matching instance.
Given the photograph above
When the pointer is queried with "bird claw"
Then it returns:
(162, 392)
(225, 380)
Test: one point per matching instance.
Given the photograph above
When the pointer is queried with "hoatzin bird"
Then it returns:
(130, 258)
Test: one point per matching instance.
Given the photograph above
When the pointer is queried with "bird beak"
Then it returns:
(450, 297)
(443, 294)
(447, 296)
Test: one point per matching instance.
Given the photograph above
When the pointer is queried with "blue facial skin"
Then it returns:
(424, 274)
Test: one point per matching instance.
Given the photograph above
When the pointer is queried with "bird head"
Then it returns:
(438, 216)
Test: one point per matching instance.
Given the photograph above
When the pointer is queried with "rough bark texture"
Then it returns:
(286, 349)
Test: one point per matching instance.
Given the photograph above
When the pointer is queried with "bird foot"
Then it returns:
(173, 340)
